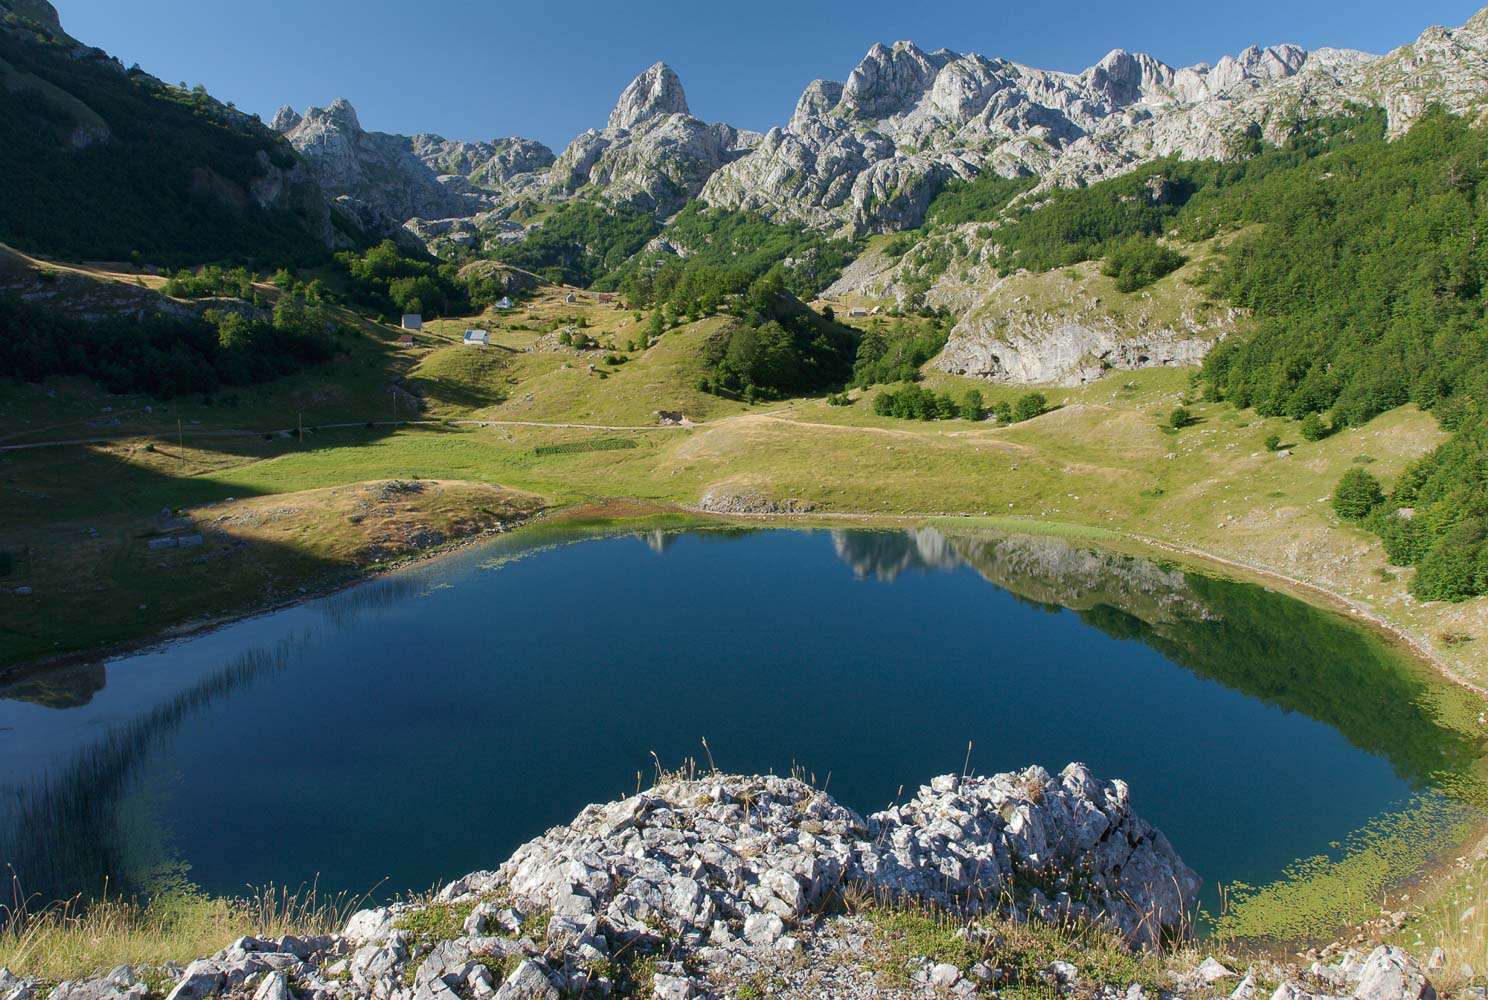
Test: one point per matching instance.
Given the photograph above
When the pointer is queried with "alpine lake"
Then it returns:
(410, 729)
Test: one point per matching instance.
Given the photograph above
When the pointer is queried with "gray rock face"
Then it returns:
(654, 94)
(960, 842)
(653, 154)
(1066, 327)
(386, 180)
(867, 154)
(920, 117)
(1062, 351)
(285, 120)
(1392, 974)
(758, 854)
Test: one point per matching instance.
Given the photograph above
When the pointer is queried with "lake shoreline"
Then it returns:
(623, 517)
(617, 512)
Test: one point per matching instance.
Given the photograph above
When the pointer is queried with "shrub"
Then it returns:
(1273, 442)
(1139, 262)
(1357, 495)
(1180, 418)
(1313, 428)
(1455, 568)
(1034, 404)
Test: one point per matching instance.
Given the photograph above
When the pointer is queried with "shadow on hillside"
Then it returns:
(81, 572)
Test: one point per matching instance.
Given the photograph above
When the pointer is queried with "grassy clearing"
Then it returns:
(98, 580)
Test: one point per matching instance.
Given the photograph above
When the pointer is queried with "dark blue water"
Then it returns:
(416, 728)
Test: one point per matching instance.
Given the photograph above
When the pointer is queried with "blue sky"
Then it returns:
(548, 70)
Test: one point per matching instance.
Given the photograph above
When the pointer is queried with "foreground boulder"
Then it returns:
(718, 858)
(703, 887)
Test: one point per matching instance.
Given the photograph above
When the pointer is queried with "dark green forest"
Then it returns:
(580, 242)
(169, 185)
(725, 252)
(780, 348)
(167, 357)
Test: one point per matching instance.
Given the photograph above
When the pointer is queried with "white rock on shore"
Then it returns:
(696, 886)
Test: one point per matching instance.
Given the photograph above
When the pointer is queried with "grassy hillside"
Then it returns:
(115, 163)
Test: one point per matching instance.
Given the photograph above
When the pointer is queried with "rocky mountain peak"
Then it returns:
(341, 113)
(285, 119)
(40, 11)
(890, 79)
(1124, 78)
(656, 93)
(340, 117)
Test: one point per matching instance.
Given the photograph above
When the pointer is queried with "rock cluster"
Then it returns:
(702, 885)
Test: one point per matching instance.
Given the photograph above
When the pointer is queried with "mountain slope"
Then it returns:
(652, 155)
(115, 162)
(385, 180)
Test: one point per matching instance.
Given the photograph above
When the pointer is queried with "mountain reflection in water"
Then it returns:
(464, 706)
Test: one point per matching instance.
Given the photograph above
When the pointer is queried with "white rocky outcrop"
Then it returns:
(653, 154)
(702, 884)
(867, 154)
(913, 118)
(386, 180)
(655, 93)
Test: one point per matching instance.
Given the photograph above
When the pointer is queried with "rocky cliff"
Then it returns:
(385, 180)
(652, 154)
(867, 154)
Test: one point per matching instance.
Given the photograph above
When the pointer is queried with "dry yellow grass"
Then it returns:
(66, 941)
(1451, 933)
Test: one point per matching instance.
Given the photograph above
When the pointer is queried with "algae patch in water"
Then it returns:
(1317, 896)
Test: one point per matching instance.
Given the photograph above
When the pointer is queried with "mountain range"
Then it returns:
(867, 155)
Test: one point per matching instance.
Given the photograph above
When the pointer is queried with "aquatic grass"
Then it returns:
(70, 939)
(1317, 897)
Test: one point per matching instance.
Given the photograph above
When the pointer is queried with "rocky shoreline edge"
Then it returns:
(720, 886)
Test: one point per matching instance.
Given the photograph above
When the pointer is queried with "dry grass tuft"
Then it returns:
(69, 940)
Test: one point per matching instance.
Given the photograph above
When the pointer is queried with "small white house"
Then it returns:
(413, 321)
(572, 298)
(477, 338)
(505, 303)
(858, 312)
